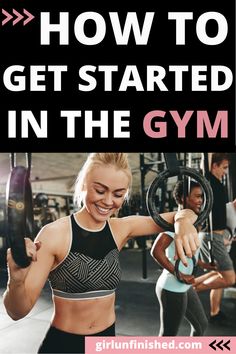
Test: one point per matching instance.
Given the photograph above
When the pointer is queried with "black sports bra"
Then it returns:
(91, 268)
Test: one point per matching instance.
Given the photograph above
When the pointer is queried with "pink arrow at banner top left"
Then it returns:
(8, 17)
(18, 18)
(30, 16)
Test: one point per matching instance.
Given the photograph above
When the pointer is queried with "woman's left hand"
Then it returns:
(186, 235)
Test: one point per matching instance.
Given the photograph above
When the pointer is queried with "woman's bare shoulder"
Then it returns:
(55, 230)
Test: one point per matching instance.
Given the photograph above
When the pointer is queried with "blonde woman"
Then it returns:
(79, 254)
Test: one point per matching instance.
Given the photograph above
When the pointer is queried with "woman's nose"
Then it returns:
(108, 199)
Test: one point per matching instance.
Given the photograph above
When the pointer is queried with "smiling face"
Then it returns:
(104, 191)
(195, 199)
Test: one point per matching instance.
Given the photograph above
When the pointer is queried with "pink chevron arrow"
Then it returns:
(8, 17)
(18, 17)
(30, 16)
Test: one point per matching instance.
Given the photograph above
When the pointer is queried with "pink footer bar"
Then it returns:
(160, 345)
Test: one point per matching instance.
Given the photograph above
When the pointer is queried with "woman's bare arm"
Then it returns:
(25, 284)
(186, 238)
(158, 251)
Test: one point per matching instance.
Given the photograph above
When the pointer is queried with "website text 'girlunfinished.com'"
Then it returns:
(135, 344)
(164, 345)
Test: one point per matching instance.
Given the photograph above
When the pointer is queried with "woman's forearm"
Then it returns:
(164, 261)
(158, 251)
(16, 300)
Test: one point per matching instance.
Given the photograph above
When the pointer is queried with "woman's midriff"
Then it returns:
(84, 316)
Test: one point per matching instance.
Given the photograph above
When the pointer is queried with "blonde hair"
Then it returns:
(119, 160)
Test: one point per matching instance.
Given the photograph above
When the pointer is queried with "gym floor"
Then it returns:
(137, 309)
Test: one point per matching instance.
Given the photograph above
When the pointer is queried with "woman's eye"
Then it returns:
(118, 195)
(99, 192)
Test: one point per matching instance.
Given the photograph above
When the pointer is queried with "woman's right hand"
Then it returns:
(16, 273)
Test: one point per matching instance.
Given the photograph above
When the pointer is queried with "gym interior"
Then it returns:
(52, 177)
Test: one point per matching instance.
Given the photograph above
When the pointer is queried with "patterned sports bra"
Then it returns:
(91, 269)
